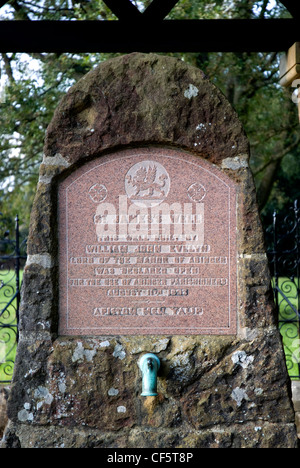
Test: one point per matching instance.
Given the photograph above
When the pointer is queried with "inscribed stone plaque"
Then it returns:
(147, 245)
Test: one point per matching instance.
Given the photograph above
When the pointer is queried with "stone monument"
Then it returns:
(145, 238)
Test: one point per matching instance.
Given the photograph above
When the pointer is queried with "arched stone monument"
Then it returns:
(145, 237)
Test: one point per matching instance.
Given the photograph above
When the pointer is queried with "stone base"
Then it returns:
(298, 424)
(296, 402)
(212, 392)
(240, 436)
(4, 392)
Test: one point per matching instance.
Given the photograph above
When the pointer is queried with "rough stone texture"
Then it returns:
(160, 110)
(214, 391)
(4, 391)
(298, 424)
(296, 402)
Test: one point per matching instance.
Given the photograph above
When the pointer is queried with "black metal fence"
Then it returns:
(283, 240)
(12, 259)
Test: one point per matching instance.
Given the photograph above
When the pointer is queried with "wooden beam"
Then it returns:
(165, 36)
(158, 10)
(290, 66)
(293, 6)
(124, 9)
(121, 8)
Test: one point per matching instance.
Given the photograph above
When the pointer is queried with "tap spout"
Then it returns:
(149, 364)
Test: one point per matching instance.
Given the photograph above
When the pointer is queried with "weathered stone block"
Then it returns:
(3, 409)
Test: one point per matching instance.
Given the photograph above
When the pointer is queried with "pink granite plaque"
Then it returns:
(147, 245)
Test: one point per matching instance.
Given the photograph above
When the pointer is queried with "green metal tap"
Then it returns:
(149, 365)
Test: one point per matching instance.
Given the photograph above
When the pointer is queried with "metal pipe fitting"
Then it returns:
(149, 365)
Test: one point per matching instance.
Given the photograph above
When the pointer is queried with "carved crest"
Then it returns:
(147, 183)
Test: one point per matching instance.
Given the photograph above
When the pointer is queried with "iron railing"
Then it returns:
(12, 257)
(284, 240)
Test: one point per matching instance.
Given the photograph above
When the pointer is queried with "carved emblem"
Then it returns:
(196, 192)
(147, 183)
(98, 193)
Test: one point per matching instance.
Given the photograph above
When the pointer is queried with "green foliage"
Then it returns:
(32, 86)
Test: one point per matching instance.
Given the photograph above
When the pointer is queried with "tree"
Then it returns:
(251, 84)
(34, 84)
